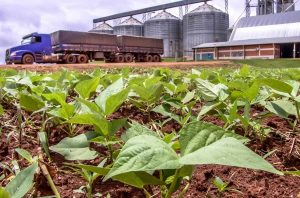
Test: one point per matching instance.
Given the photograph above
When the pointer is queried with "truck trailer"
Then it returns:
(71, 47)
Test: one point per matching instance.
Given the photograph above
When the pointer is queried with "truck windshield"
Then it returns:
(26, 41)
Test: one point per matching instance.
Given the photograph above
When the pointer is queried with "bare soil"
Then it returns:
(242, 182)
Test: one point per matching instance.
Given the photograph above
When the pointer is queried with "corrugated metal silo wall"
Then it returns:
(286, 5)
(203, 27)
(169, 31)
(129, 30)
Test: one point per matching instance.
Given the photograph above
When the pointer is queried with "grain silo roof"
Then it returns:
(131, 21)
(163, 16)
(103, 26)
(206, 8)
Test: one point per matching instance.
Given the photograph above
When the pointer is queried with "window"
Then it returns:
(32, 39)
(26, 41)
(38, 39)
(237, 54)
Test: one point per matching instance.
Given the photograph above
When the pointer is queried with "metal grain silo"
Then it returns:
(103, 28)
(205, 24)
(285, 6)
(129, 27)
(167, 27)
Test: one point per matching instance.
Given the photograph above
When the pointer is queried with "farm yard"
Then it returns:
(159, 132)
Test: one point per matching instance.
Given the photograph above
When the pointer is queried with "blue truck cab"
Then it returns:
(32, 49)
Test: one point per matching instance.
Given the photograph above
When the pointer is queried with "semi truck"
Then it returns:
(71, 47)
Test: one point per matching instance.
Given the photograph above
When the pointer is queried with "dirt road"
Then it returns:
(176, 65)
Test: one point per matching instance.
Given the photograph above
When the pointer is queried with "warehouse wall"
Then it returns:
(266, 51)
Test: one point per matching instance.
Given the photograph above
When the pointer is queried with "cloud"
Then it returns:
(18, 18)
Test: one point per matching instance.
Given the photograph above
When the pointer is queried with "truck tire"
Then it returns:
(149, 58)
(128, 58)
(70, 59)
(156, 58)
(82, 59)
(120, 58)
(28, 59)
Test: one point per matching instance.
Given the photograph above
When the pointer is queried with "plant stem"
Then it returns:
(148, 195)
(181, 195)
(20, 120)
(298, 110)
(173, 185)
(49, 179)
(110, 153)
(89, 189)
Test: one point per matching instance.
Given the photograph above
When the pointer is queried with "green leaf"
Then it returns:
(92, 107)
(218, 182)
(115, 101)
(188, 97)
(228, 152)
(211, 91)
(103, 141)
(86, 87)
(76, 148)
(111, 90)
(116, 125)
(294, 173)
(44, 142)
(136, 179)
(233, 112)
(101, 125)
(144, 153)
(148, 94)
(245, 71)
(96, 120)
(59, 98)
(165, 111)
(25, 154)
(197, 135)
(208, 107)
(252, 92)
(23, 182)
(4, 193)
(296, 87)
(282, 108)
(149, 82)
(277, 85)
(1, 110)
(137, 129)
(94, 169)
(31, 103)
(65, 112)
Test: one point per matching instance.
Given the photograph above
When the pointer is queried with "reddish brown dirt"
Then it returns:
(250, 184)
(176, 65)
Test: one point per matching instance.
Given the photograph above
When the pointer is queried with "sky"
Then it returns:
(21, 17)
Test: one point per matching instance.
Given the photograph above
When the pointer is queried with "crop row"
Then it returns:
(146, 155)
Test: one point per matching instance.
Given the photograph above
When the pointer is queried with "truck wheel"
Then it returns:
(156, 58)
(120, 58)
(28, 59)
(82, 59)
(70, 59)
(149, 58)
(128, 58)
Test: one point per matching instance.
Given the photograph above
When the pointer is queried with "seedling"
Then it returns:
(90, 177)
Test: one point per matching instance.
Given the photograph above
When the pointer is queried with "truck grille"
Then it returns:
(7, 53)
